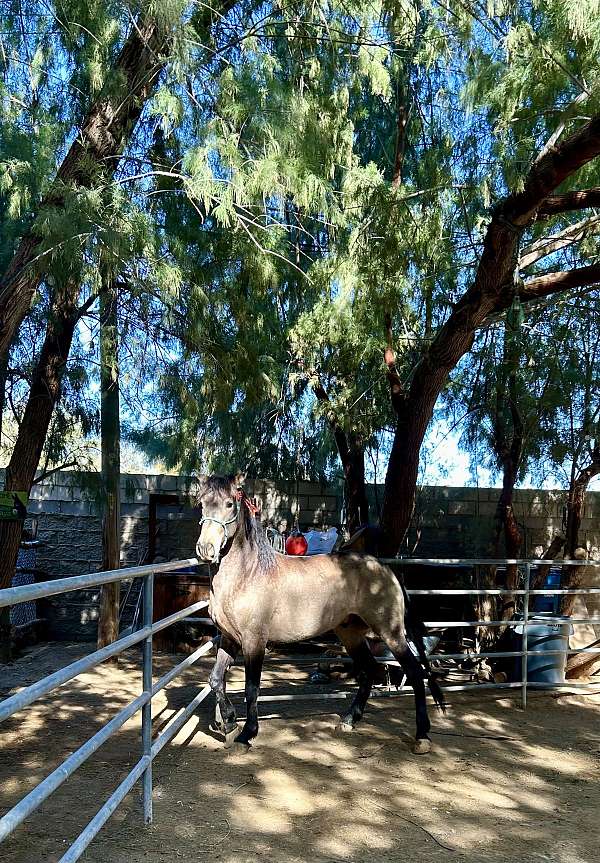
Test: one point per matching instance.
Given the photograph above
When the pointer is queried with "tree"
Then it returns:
(80, 196)
(129, 80)
(559, 160)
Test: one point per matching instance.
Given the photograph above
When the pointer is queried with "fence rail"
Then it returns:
(29, 694)
(143, 703)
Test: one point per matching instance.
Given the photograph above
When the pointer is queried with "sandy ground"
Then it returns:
(500, 784)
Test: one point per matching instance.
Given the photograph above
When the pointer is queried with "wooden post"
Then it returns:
(108, 623)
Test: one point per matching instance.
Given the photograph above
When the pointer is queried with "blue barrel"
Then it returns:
(549, 604)
(546, 632)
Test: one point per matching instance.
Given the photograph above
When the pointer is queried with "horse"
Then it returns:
(260, 596)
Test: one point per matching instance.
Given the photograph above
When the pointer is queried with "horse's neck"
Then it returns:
(241, 555)
(246, 557)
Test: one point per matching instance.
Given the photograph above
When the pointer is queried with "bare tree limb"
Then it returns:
(548, 245)
(567, 115)
(51, 471)
(552, 283)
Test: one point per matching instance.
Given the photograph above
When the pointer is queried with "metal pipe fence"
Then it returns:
(143, 703)
(149, 750)
(524, 623)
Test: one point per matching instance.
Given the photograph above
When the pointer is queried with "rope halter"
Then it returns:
(223, 526)
(240, 496)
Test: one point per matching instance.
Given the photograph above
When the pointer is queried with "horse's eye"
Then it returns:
(229, 504)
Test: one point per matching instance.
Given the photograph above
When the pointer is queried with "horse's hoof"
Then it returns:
(230, 737)
(237, 747)
(344, 728)
(422, 746)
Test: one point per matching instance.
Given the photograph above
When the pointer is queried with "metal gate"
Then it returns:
(148, 750)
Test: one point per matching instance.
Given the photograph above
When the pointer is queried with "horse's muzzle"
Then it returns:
(207, 552)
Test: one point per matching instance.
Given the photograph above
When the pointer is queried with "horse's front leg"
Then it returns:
(225, 718)
(253, 661)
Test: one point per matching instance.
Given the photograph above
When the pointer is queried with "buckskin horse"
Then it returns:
(260, 596)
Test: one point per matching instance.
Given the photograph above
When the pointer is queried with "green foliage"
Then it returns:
(259, 224)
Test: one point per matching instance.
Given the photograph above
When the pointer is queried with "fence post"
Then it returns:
(525, 639)
(147, 686)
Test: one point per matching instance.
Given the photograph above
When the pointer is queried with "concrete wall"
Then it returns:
(459, 522)
(450, 522)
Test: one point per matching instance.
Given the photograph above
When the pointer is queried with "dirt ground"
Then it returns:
(500, 784)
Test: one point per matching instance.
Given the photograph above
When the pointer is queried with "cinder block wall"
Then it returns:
(459, 522)
(449, 522)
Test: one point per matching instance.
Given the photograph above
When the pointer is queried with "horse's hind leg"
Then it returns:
(414, 674)
(225, 718)
(365, 666)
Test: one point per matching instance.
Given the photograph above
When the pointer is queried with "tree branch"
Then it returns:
(389, 356)
(553, 283)
(339, 434)
(567, 115)
(402, 122)
(547, 245)
(51, 471)
(577, 200)
(87, 304)
(550, 170)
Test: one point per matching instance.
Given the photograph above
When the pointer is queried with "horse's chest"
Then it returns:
(232, 607)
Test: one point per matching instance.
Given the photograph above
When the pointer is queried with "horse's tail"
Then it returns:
(415, 631)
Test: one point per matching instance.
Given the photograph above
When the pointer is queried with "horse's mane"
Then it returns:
(254, 533)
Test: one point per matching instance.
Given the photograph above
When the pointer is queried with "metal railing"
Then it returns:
(525, 592)
(149, 750)
(524, 623)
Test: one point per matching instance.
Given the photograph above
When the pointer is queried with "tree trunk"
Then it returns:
(491, 292)
(3, 379)
(44, 393)
(572, 575)
(110, 433)
(555, 547)
(43, 396)
(583, 664)
(352, 455)
(509, 441)
(513, 540)
(576, 501)
(103, 135)
(401, 477)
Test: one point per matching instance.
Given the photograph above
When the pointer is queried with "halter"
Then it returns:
(223, 525)
(240, 495)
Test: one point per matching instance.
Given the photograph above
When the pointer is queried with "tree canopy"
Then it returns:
(328, 223)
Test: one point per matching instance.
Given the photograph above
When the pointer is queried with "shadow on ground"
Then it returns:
(501, 784)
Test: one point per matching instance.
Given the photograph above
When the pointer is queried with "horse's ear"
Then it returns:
(239, 479)
(200, 489)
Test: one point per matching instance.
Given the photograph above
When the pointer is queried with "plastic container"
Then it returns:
(545, 632)
(549, 604)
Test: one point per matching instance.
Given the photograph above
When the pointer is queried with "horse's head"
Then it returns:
(220, 498)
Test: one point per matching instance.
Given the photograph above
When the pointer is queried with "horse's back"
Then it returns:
(316, 594)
